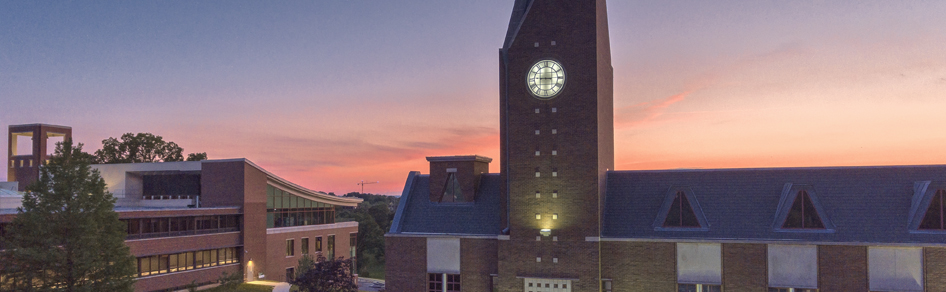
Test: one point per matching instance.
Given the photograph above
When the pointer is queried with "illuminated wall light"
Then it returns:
(545, 232)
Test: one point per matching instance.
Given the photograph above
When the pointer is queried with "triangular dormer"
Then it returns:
(928, 211)
(799, 210)
(452, 192)
(680, 212)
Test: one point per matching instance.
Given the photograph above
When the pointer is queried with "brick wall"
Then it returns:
(934, 261)
(405, 263)
(477, 262)
(842, 268)
(745, 267)
(640, 266)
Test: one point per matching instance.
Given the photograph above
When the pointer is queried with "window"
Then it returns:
(606, 285)
(434, 283)
(538, 216)
(537, 174)
(555, 216)
(803, 214)
(453, 283)
(555, 171)
(331, 247)
(318, 244)
(451, 190)
(793, 267)
(290, 274)
(284, 209)
(895, 268)
(681, 213)
(698, 288)
(792, 290)
(437, 282)
(935, 218)
(290, 247)
(538, 195)
(699, 267)
(305, 246)
(170, 263)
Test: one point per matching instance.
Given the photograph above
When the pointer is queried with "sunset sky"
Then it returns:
(328, 93)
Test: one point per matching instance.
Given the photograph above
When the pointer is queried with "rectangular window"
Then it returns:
(606, 285)
(698, 263)
(331, 247)
(290, 274)
(188, 260)
(434, 282)
(453, 283)
(318, 244)
(793, 266)
(895, 268)
(290, 247)
(305, 245)
(700, 288)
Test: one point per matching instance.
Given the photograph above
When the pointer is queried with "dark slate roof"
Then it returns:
(416, 214)
(518, 14)
(866, 204)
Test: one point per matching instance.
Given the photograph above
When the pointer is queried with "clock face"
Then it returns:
(546, 79)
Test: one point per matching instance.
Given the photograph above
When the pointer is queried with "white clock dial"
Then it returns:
(546, 79)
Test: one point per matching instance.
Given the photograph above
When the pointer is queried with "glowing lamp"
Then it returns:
(545, 232)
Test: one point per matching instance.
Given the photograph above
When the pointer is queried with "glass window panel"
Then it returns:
(213, 256)
(188, 260)
(163, 264)
(172, 263)
(144, 266)
(285, 202)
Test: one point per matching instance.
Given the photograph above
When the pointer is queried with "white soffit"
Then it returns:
(699, 263)
(794, 266)
(895, 268)
(443, 255)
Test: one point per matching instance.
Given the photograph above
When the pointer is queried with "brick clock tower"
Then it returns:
(557, 144)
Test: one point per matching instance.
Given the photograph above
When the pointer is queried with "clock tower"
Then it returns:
(557, 144)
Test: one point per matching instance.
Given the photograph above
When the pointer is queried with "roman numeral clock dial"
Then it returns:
(546, 79)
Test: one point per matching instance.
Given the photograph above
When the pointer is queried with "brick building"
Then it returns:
(558, 217)
(192, 221)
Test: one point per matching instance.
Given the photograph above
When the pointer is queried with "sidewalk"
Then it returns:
(277, 286)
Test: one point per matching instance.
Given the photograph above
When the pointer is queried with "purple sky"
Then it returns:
(329, 93)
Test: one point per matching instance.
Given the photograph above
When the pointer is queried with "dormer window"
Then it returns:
(680, 212)
(799, 210)
(935, 218)
(803, 214)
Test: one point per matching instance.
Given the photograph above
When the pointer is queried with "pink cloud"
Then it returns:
(646, 112)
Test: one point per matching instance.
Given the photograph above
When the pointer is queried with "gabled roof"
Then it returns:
(865, 204)
(416, 214)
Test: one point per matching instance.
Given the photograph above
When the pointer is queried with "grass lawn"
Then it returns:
(374, 272)
(243, 288)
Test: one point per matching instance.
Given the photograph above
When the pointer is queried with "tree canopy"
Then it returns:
(374, 215)
(325, 275)
(142, 147)
(67, 236)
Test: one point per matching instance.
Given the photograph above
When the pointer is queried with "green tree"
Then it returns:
(326, 275)
(142, 147)
(197, 156)
(67, 236)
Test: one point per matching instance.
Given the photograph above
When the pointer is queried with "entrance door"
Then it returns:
(547, 285)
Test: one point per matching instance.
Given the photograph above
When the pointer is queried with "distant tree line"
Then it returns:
(374, 216)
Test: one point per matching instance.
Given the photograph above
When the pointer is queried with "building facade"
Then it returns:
(192, 221)
(558, 217)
